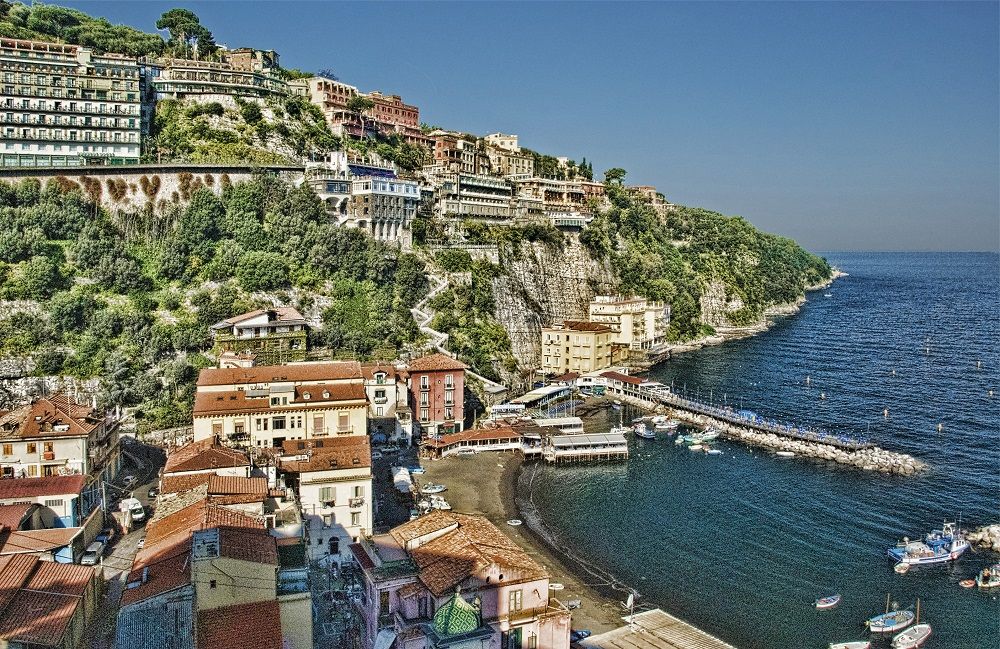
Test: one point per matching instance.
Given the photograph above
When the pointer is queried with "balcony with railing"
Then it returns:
(356, 502)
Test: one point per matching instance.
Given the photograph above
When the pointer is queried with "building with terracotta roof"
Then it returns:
(333, 480)
(59, 496)
(437, 392)
(45, 604)
(446, 578)
(635, 322)
(56, 436)
(264, 406)
(206, 457)
(576, 346)
(255, 625)
(274, 336)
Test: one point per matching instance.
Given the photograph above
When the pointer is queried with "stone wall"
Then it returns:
(135, 187)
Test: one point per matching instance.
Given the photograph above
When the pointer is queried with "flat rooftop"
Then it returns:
(655, 629)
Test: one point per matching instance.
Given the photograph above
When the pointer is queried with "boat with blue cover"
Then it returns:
(891, 622)
(939, 546)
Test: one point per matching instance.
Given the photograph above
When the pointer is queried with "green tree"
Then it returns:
(262, 271)
(186, 29)
(615, 176)
(360, 105)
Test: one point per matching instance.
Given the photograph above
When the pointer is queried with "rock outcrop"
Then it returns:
(986, 537)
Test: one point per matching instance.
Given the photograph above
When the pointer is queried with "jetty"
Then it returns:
(752, 429)
(655, 629)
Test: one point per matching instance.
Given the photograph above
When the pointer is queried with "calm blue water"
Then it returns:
(741, 544)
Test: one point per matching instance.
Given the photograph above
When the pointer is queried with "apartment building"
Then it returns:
(333, 480)
(390, 418)
(263, 406)
(274, 336)
(475, 196)
(59, 497)
(437, 386)
(455, 580)
(635, 322)
(65, 105)
(503, 141)
(575, 346)
(250, 59)
(564, 201)
(210, 80)
(385, 206)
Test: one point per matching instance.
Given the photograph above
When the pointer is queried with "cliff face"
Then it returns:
(540, 284)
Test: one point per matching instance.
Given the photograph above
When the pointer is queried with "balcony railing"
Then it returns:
(355, 502)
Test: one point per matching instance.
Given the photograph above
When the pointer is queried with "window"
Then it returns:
(216, 427)
(278, 423)
(425, 382)
(449, 381)
(510, 639)
(212, 584)
(379, 411)
(326, 494)
(383, 602)
(380, 394)
(449, 413)
(424, 415)
(261, 424)
(449, 396)
(424, 399)
(359, 491)
(32, 448)
(343, 421)
(355, 518)
(58, 502)
(514, 601)
(8, 449)
(317, 423)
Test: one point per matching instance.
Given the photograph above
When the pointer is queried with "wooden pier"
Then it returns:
(655, 629)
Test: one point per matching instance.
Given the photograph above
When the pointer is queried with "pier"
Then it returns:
(655, 629)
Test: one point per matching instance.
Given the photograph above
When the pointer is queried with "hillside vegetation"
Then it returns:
(129, 297)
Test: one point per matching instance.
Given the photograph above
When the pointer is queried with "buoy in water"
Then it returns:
(894, 372)
(885, 413)
(979, 365)
(808, 380)
(940, 427)
(822, 395)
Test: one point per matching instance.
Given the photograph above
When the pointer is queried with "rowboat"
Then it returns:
(827, 602)
(785, 454)
(714, 451)
(695, 447)
(912, 638)
(891, 622)
(902, 568)
(857, 644)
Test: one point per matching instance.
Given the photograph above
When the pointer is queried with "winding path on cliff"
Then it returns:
(423, 314)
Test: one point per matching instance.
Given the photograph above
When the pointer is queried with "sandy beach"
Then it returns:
(485, 484)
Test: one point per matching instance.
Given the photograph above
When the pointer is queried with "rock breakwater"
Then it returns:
(986, 537)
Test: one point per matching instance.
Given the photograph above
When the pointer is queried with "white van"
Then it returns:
(93, 554)
(134, 509)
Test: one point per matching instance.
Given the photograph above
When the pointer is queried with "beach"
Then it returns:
(486, 484)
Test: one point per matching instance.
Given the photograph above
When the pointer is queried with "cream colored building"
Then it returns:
(635, 322)
(265, 406)
(333, 478)
(576, 346)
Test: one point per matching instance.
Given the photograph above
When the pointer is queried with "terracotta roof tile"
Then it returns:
(172, 484)
(35, 487)
(204, 455)
(319, 394)
(32, 541)
(291, 373)
(38, 598)
(582, 325)
(233, 490)
(44, 416)
(624, 378)
(245, 544)
(348, 452)
(434, 362)
(248, 626)
(11, 516)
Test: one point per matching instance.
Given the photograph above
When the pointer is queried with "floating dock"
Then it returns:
(655, 629)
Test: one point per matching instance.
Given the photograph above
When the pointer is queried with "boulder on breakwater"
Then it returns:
(872, 458)
(986, 537)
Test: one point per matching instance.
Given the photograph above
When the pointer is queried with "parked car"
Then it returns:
(390, 448)
(376, 455)
(92, 556)
(106, 535)
(576, 635)
(130, 481)
(154, 492)
(141, 544)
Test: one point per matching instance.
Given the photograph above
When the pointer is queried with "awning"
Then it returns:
(385, 639)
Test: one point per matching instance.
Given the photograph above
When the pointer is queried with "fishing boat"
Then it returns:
(857, 644)
(891, 622)
(620, 430)
(643, 432)
(939, 546)
(912, 638)
(432, 488)
(827, 602)
(989, 577)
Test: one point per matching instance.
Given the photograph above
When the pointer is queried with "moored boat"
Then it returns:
(912, 638)
(433, 488)
(989, 577)
(643, 432)
(939, 546)
(891, 622)
(695, 447)
(785, 454)
(714, 451)
(620, 430)
(857, 644)
(827, 602)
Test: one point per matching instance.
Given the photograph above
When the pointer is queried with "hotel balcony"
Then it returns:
(355, 502)
(381, 399)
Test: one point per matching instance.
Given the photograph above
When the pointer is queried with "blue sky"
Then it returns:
(843, 125)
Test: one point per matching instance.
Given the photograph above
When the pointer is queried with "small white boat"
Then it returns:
(913, 637)
(695, 447)
(901, 568)
(617, 405)
(828, 295)
(989, 577)
(620, 430)
(438, 502)
(514, 522)
(643, 432)
(714, 451)
(433, 488)
(829, 601)
(857, 644)
(785, 454)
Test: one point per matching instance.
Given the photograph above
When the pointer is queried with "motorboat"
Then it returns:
(939, 546)
(709, 435)
(620, 430)
(827, 602)
(713, 451)
(438, 502)
(902, 568)
(857, 644)
(989, 577)
(913, 637)
(695, 447)
(891, 622)
(416, 470)
(785, 454)
(432, 488)
(643, 432)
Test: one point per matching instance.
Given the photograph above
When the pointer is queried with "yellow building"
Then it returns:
(636, 322)
(576, 346)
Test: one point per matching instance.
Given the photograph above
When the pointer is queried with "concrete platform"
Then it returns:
(655, 629)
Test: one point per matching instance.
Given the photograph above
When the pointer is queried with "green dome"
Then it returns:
(456, 616)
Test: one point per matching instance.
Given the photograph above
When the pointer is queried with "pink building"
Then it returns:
(454, 580)
(437, 386)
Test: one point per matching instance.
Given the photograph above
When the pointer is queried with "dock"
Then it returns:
(655, 629)
(585, 447)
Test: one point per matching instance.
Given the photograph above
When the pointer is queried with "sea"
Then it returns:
(741, 544)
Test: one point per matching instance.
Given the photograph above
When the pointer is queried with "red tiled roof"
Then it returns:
(336, 391)
(233, 490)
(167, 572)
(282, 315)
(370, 369)
(11, 516)
(172, 484)
(229, 401)
(435, 362)
(204, 455)
(39, 598)
(246, 544)
(292, 373)
(582, 325)
(61, 485)
(624, 378)
(41, 417)
(33, 541)
(349, 452)
(249, 626)
(361, 556)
